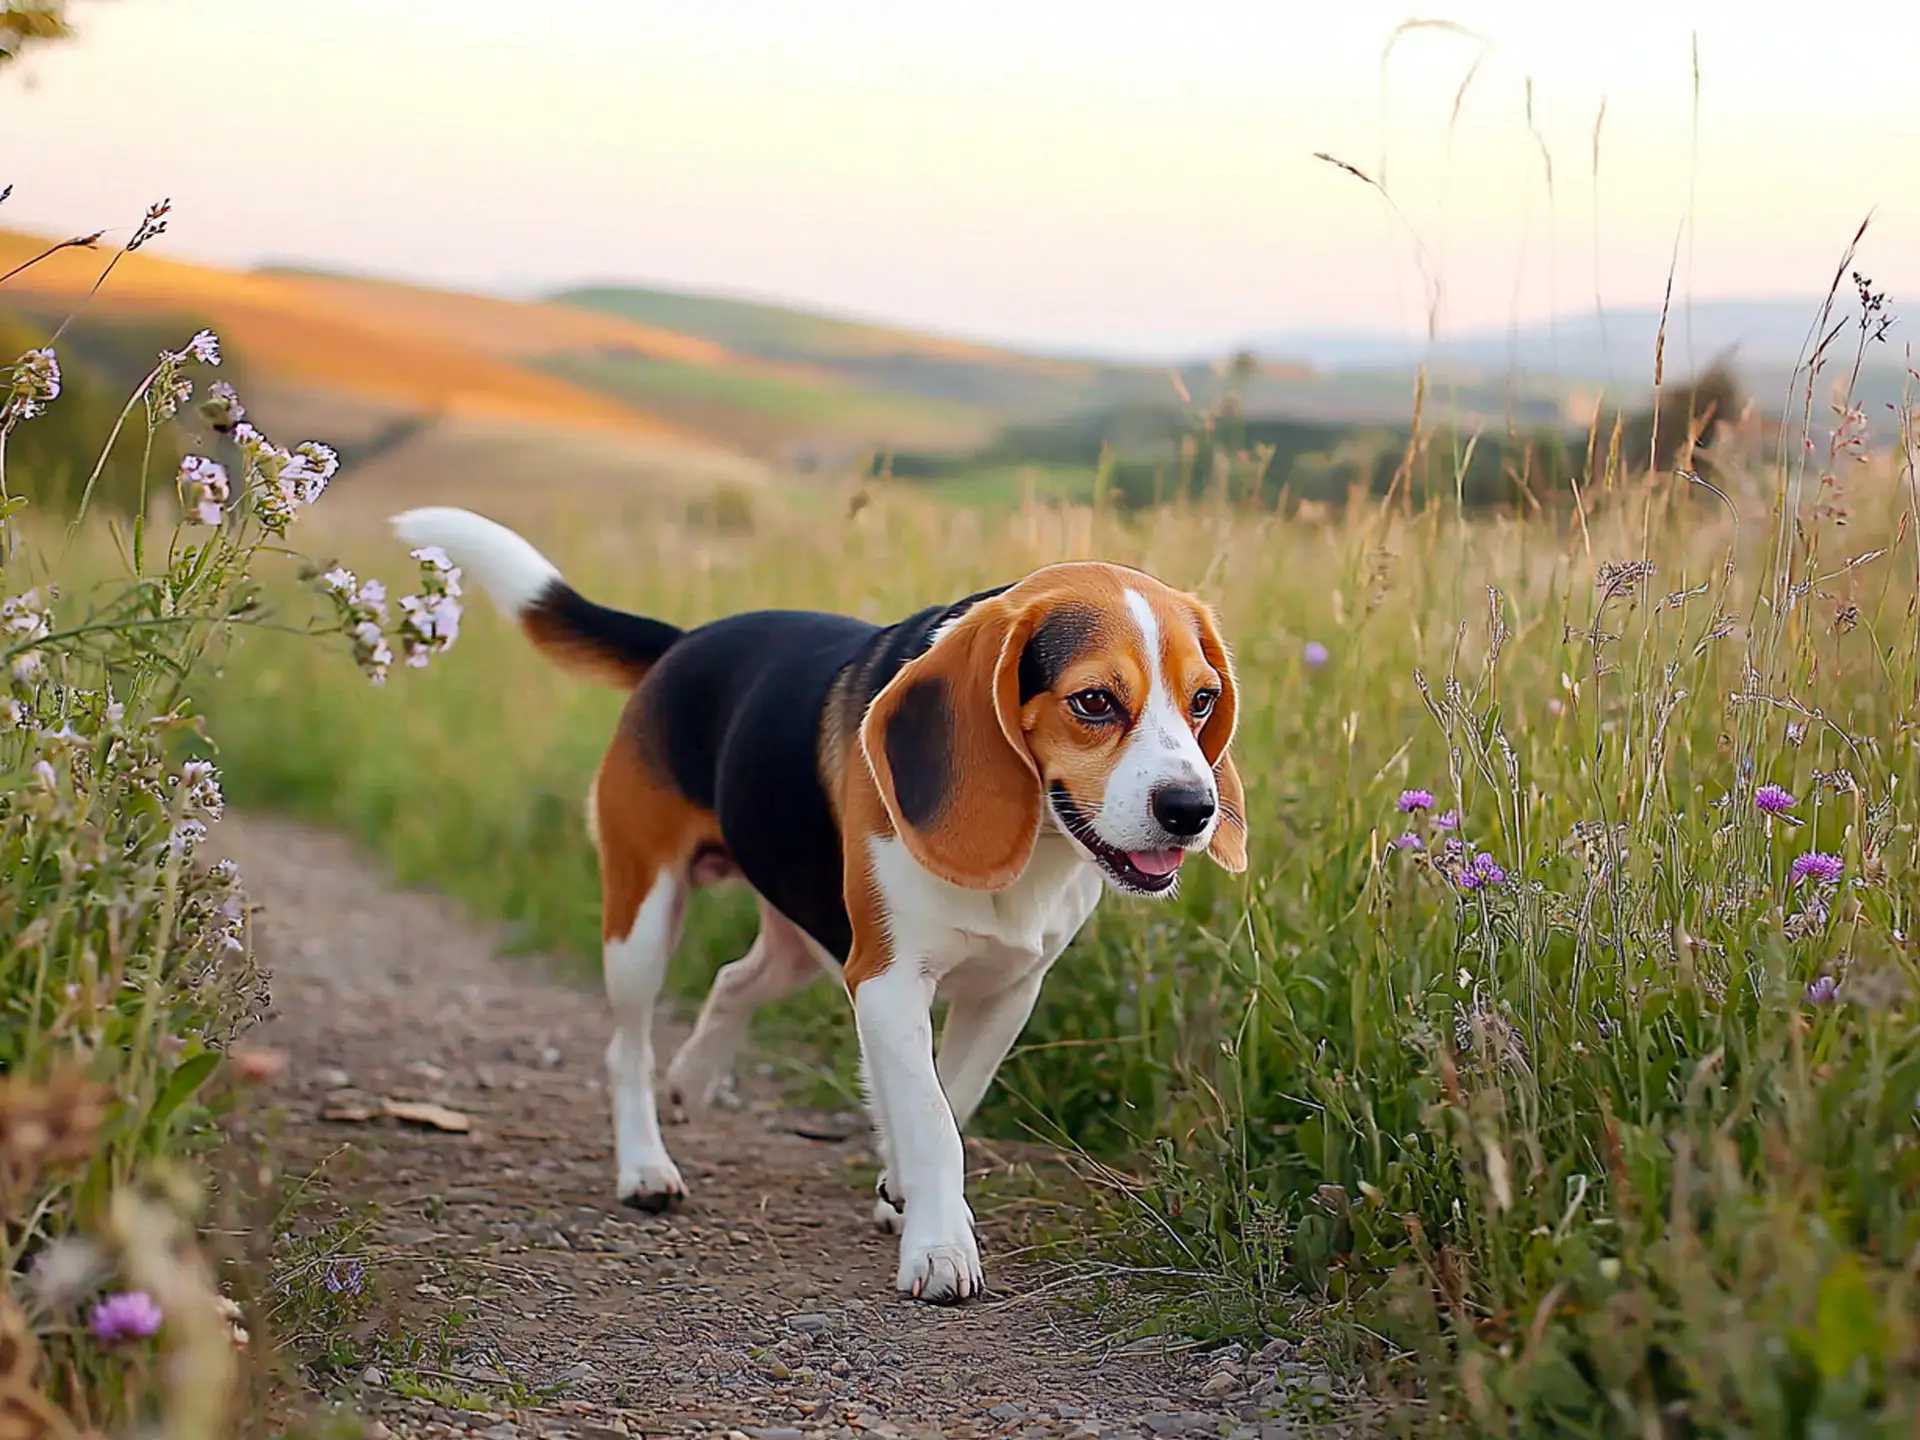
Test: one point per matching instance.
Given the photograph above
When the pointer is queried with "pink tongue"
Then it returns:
(1156, 862)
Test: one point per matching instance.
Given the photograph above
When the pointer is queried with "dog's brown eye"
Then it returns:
(1096, 705)
(1203, 703)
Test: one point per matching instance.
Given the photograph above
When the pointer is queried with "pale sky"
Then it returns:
(1078, 174)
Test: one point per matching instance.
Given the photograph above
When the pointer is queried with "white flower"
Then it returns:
(25, 617)
(34, 383)
(204, 488)
(308, 469)
(339, 579)
(200, 782)
(204, 347)
(371, 651)
(44, 773)
(433, 555)
(13, 712)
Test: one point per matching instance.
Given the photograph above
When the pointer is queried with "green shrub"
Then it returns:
(125, 970)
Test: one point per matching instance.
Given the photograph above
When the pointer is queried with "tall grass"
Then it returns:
(1580, 1101)
(126, 978)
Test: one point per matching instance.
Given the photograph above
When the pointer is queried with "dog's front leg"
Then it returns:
(939, 1259)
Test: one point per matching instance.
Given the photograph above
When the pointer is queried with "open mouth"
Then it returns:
(1144, 872)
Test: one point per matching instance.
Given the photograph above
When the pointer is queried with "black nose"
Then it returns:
(1183, 810)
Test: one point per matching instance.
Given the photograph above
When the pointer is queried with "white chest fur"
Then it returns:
(978, 940)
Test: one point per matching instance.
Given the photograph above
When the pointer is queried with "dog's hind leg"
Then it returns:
(780, 962)
(647, 836)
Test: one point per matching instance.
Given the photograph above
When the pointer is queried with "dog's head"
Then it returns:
(1088, 694)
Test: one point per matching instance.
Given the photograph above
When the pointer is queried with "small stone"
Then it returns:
(776, 1370)
(550, 1057)
(428, 1071)
(778, 1433)
(373, 1376)
(1276, 1350)
(1069, 1412)
(1005, 1411)
(332, 1078)
(580, 1371)
(1220, 1383)
(377, 1430)
(505, 1430)
(810, 1324)
(1180, 1422)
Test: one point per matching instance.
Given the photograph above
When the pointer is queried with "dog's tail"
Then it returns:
(569, 629)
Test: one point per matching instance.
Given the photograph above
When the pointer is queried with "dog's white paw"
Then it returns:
(886, 1218)
(654, 1187)
(940, 1263)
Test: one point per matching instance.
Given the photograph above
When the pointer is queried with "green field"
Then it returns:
(1628, 1134)
(760, 407)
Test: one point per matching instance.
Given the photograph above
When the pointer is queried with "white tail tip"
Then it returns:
(503, 564)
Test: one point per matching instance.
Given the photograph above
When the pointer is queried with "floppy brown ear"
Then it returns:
(944, 743)
(1229, 845)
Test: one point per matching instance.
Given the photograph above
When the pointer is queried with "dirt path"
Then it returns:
(764, 1306)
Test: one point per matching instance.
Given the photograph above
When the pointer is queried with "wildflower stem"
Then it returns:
(113, 438)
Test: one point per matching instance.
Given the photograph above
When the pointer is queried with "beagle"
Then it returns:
(931, 805)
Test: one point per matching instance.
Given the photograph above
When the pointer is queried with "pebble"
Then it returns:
(1181, 1422)
(810, 1324)
(1004, 1411)
(505, 1430)
(1222, 1382)
(373, 1376)
(779, 1433)
(1069, 1412)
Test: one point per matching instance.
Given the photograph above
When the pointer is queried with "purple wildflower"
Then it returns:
(1412, 800)
(1447, 820)
(1823, 991)
(1822, 869)
(344, 1278)
(1408, 841)
(1606, 1028)
(1482, 871)
(130, 1315)
(1315, 654)
(1774, 799)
